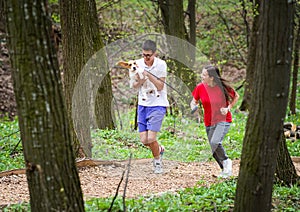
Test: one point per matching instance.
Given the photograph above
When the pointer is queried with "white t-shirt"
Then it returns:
(158, 69)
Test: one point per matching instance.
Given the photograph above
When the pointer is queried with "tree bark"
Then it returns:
(81, 40)
(245, 105)
(50, 164)
(2, 16)
(285, 170)
(173, 21)
(268, 106)
(292, 102)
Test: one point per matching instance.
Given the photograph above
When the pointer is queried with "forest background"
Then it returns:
(222, 35)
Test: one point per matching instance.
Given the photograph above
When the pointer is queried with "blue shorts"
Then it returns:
(150, 118)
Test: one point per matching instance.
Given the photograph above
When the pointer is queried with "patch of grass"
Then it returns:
(185, 140)
(11, 150)
(22, 207)
(218, 197)
(114, 144)
(286, 198)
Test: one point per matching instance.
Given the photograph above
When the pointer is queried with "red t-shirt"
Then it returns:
(212, 99)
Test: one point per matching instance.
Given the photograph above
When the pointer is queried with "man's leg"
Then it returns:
(153, 144)
(148, 138)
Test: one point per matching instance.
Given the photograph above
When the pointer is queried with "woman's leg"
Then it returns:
(216, 135)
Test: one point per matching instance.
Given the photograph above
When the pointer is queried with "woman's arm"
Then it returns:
(225, 110)
(234, 100)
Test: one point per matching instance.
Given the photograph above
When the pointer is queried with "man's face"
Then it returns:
(148, 55)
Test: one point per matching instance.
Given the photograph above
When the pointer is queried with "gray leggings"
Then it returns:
(215, 136)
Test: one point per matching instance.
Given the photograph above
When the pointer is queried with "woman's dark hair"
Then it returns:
(214, 72)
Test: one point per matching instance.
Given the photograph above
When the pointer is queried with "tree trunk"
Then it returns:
(250, 62)
(268, 106)
(191, 34)
(292, 102)
(103, 105)
(50, 164)
(173, 21)
(2, 16)
(81, 40)
(285, 170)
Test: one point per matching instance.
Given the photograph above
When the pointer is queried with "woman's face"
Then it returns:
(206, 78)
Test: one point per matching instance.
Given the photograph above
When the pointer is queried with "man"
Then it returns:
(152, 110)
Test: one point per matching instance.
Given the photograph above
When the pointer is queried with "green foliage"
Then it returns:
(223, 30)
(293, 146)
(119, 19)
(54, 8)
(217, 197)
(114, 144)
(11, 152)
(185, 140)
(22, 207)
(286, 198)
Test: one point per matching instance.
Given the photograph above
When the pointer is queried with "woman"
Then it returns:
(217, 99)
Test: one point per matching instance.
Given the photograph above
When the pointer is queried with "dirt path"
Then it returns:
(102, 180)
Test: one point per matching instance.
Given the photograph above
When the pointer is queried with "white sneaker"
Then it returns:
(227, 169)
(158, 168)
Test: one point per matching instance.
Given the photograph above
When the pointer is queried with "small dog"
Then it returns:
(147, 87)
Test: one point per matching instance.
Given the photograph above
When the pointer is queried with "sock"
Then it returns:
(156, 161)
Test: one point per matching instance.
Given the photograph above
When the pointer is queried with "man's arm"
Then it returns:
(158, 82)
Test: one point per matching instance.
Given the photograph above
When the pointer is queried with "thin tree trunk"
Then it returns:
(292, 102)
(245, 105)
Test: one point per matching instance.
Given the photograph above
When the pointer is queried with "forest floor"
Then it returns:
(101, 178)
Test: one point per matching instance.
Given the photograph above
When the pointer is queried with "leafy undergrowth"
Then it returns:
(185, 140)
(217, 197)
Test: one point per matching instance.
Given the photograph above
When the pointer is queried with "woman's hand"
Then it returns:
(224, 110)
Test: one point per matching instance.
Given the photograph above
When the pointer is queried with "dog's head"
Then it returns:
(130, 65)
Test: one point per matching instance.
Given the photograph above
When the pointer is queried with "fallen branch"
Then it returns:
(79, 164)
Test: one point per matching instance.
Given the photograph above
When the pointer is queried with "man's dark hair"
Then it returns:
(149, 45)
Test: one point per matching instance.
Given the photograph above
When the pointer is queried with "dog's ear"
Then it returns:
(123, 64)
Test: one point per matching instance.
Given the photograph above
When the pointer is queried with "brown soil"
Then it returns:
(102, 178)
